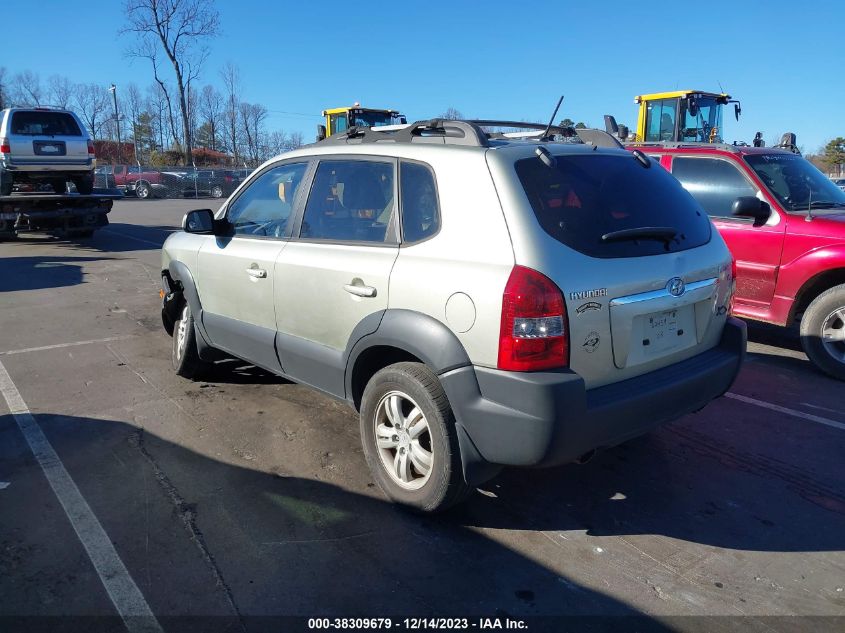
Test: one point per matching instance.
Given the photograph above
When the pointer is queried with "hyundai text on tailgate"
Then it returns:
(481, 300)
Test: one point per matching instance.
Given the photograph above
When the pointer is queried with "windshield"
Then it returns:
(366, 118)
(796, 183)
(701, 118)
(585, 198)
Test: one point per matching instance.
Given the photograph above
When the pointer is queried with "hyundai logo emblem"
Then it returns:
(676, 286)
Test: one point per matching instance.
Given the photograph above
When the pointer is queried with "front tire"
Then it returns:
(184, 354)
(823, 332)
(410, 440)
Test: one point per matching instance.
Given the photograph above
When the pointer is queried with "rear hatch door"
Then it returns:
(642, 271)
(47, 136)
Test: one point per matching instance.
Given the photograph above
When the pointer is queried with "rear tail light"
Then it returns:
(90, 149)
(533, 333)
(5, 147)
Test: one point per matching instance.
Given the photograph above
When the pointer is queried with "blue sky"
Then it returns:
(784, 60)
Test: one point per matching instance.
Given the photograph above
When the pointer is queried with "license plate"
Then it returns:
(50, 148)
(665, 330)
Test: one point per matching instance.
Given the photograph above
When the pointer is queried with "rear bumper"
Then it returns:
(35, 166)
(549, 418)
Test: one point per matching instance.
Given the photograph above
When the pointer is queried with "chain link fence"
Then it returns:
(170, 182)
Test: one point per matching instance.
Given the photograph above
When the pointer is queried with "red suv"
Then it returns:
(784, 222)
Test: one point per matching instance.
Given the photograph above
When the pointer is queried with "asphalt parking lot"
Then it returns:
(245, 496)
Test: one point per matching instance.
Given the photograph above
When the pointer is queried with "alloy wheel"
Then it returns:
(403, 439)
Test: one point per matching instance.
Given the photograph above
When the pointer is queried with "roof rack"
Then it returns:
(437, 131)
(680, 145)
(457, 132)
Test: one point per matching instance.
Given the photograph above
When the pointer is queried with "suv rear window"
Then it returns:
(37, 123)
(585, 197)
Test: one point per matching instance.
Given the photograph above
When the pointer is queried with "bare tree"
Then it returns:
(182, 28)
(452, 114)
(4, 88)
(211, 111)
(60, 90)
(294, 141)
(91, 103)
(135, 105)
(253, 116)
(231, 77)
(26, 89)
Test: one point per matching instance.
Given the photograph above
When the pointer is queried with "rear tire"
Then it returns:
(84, 184)
(823, 332)
(5, 184)
(410, 440)
(184, 354)
(143, 191)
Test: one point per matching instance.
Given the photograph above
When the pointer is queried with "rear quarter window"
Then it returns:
(584, 197)
(38, 123)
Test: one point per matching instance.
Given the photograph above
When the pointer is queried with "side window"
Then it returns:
(420, 211)
(263, 208)
(339, 123)
(714, 183)
(660, 120)
(351, 201)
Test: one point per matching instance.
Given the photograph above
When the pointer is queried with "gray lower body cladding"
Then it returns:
(549, 418)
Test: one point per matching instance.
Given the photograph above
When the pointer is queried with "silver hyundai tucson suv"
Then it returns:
(481, 300)
(45, 146)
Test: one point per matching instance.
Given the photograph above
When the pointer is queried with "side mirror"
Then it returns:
(751, 207)
(200, 221)
(737, 110)
(321, 132)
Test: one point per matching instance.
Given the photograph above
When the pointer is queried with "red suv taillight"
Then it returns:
(533, 332)
(90, 149)
(5, 147)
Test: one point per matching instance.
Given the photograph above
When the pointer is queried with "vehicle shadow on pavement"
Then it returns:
(269, 544)
(681, 483)
(39, 272)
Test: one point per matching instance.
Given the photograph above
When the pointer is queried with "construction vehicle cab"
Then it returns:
(341, 119)
(682, 116)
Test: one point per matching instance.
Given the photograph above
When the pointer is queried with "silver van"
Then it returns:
(45, 146)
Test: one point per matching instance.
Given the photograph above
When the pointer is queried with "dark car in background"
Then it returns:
(214, 183)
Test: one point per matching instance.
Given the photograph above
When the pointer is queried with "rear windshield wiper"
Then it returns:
(661, 233)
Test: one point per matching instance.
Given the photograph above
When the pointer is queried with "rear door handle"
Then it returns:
(360, 291)
(258, 273)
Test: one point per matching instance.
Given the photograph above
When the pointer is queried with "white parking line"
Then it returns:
(132, 237)
(793, 412)
(124, 593)
(60, 345)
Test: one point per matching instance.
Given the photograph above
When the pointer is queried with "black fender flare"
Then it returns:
(180, 272)
(414, 332)
(435, 345)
